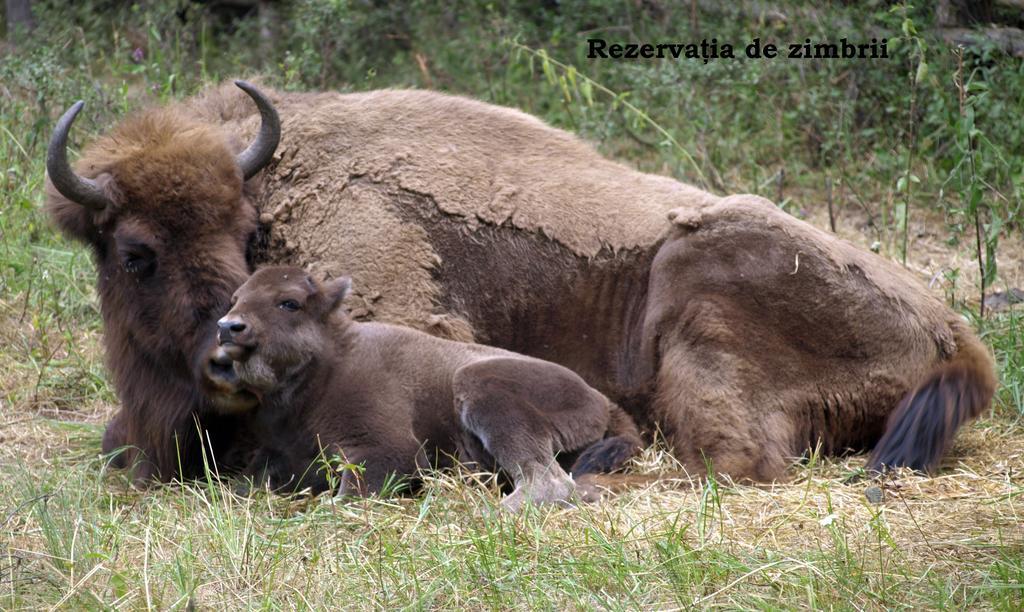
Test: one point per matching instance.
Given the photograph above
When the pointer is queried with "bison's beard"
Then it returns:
(222, 387)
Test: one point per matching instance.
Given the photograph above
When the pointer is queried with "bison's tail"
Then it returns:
(621, 442)
(921, 429)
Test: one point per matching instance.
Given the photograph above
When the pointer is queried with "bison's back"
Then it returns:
(442, 207)
(479, 163)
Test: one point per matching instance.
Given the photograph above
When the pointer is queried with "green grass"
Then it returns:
(73, 534)
(79, 536)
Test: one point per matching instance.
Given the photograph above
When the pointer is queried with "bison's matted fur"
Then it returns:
(747, 335)
(394, 399)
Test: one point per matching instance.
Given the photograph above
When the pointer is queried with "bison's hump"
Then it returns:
(478, 163)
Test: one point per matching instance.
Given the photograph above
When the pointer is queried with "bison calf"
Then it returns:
(395, 399)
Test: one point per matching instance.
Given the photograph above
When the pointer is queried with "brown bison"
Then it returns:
(747, 335)
(394, 399)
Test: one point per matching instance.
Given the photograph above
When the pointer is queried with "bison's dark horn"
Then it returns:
(259, 152)
(80, 190)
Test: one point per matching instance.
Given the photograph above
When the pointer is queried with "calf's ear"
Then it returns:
(335, 291)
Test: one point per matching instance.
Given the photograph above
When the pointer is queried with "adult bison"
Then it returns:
(747, 335)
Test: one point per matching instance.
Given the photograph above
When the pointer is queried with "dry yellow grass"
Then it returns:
(74, 535)
(815, 541)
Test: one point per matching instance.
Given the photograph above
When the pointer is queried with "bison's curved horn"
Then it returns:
(78, 189)
(262, 149)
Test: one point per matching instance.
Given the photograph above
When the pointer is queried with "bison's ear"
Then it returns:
(73, 219)
(335, 291)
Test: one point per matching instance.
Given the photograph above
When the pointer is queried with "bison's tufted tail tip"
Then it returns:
(921, 429)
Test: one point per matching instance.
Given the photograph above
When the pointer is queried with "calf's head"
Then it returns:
(278, 324)
(160, 201)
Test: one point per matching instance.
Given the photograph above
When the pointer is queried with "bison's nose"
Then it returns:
(227, 328)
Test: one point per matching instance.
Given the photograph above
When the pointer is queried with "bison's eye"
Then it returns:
(250, 250)
(138, 260)
(289, 305)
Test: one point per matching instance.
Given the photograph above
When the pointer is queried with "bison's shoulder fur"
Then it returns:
(479, 163)
(396, 399)
(419, 171)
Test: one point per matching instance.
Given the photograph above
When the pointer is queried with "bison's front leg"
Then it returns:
(115, 438)
(122, 454)
(385, 468)
(772, 337)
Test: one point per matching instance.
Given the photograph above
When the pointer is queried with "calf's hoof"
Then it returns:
(551, 488)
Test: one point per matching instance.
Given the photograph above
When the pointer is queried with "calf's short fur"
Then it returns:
(395, 399)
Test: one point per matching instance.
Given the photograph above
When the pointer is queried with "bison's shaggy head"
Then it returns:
(161, 202)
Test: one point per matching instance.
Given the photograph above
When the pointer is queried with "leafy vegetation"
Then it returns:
(920, 156)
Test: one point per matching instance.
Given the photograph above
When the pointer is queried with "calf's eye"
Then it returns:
(289, 305)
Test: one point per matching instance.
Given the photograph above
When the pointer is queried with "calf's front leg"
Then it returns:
(523, 412)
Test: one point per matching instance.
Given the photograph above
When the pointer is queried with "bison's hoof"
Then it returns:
(549, 490)
(589, 493)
